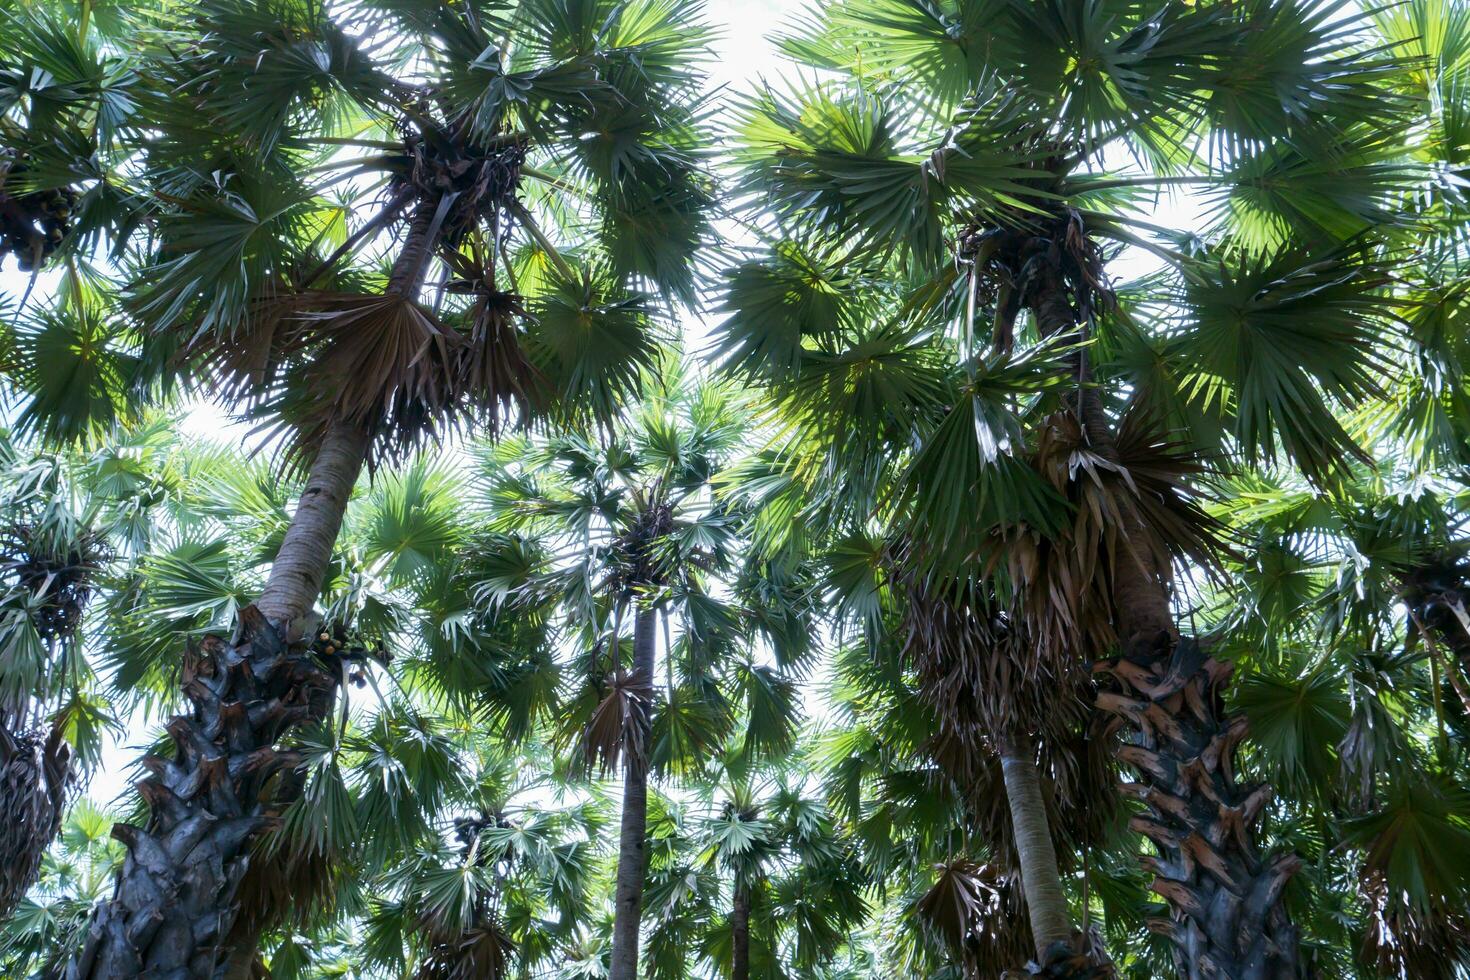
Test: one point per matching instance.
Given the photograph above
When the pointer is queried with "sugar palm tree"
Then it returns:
(77, 523)
(542, 158)
(438, 693)
(635, 532)
(944, 207)
(52, 558)
(795, 886)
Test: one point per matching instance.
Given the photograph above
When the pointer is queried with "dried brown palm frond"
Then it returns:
(1061, 582)
(975, 668)
(380, 361)
(35, 775)
(619, 722)
(1133, 502)
(1403, 941)
(983, 679)
(384, 362)
(492, 363)
(482, 952)
(974, 911)
(1168, 479)
(281, 884)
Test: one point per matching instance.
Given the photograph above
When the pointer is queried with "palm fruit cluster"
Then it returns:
(33, 224)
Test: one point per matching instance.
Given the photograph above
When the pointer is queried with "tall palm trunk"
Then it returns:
(1227, 918)
(740, 933)
(1227, 921)
(174, 903)
(632, 840)
(1041, 881)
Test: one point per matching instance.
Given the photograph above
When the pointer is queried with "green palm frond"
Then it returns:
(1270, 340)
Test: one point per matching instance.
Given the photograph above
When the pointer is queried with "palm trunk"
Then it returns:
(632, 842)
(34, 778)
(740, 933)
(1227, 921)
(306, 551)
(174, 900)
(174, 904)
(1041, 881)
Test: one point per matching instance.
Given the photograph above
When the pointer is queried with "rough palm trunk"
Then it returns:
(35, 775)
(740, 933)
(632, 841)
(1227, 921)
(1041, 881)
(174, 899)
(174, 903)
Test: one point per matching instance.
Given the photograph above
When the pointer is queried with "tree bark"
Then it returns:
(173, 902)
(1041, 881)
(740, 933)
(632, 841)
(35, 776)
(1227, 921)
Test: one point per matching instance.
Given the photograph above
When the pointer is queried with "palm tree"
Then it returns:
(791, 874)
(970, 164)
(77, 522)
(438, 693)
(545, 158)
(52, 557)
(636, 532)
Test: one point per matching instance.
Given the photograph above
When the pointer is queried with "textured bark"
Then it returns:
(1227, 921)
(173, 903)
(632, 841)
(740, 934)
(35, 775)
(1041, 882)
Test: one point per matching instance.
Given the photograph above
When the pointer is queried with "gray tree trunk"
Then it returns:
(1041, 881)
(301, 565)
(740, 934)
(174, 900)
(632, 841)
